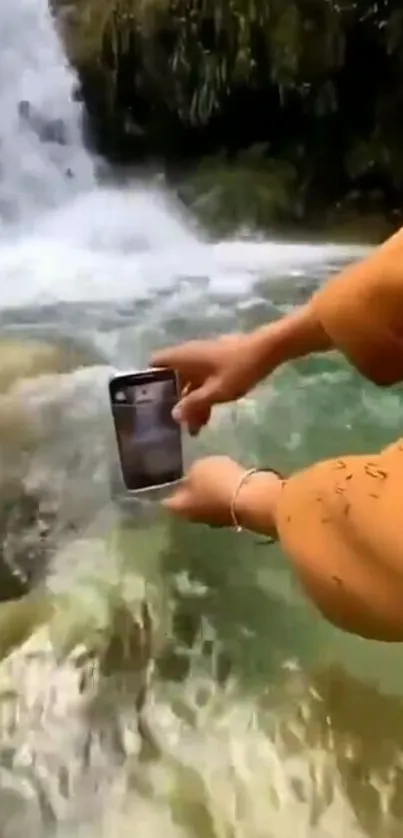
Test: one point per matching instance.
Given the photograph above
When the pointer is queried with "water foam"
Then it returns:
(35, 174)
(73, 240)
(125, 244)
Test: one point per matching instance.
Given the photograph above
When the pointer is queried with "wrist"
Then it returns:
(294, 336)
(254, 501)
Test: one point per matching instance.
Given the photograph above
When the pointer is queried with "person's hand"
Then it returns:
(206, 494)
(210, 372)
(222, 370)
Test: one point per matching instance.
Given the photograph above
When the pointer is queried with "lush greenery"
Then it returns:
(313, 87)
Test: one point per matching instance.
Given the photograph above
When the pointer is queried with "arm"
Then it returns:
(339, 522)
(359, 312)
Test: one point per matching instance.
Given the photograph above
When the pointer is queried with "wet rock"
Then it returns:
(21, 618)
(48, 130)
(26, 544)
(54, 131)
(254, 191)
(29, 514)
(348, 225)
(27, 358)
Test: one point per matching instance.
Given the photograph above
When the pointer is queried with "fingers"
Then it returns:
(194, 409)
(171, 354)
(163, 357)
(177, 502)
(181, 358)
(197, 421)
(194, 406)
(194, 417)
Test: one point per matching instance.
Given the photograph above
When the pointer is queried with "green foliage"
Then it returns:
(174, 77)
(190, 54)
(196, 51)
(256, 192)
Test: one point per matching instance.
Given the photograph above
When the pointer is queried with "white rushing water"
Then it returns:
(35, 174)
(64, 238)
(77, 241)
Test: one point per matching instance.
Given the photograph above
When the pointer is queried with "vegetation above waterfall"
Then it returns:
(305, 97)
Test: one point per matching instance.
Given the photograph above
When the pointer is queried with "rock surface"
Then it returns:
(29, 505)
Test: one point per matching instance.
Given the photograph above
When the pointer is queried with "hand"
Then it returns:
(206, 495)
(210, 372)
(222, 370)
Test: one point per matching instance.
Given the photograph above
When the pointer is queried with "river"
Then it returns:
(184, 686)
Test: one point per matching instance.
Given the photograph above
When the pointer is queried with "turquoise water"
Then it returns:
(180, 684)
(257, 713)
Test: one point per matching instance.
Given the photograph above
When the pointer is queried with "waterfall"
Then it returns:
(42, 158)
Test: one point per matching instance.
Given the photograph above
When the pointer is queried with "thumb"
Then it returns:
(195, 407)
(177, 501)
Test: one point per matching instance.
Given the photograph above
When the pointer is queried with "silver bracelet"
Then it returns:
(244, 479)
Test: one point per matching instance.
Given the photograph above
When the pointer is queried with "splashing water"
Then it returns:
(223, 708)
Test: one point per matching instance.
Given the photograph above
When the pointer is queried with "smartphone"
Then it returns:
(149, 440)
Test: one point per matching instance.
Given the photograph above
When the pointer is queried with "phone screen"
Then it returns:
(149, 440)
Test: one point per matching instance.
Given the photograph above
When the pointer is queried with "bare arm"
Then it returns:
(294, 336)
(359, 312)
(339, 523)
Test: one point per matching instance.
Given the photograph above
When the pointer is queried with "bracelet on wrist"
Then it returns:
(243, 480)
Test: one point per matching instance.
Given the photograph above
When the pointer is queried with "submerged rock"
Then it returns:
(28, 357)
(30, 505)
